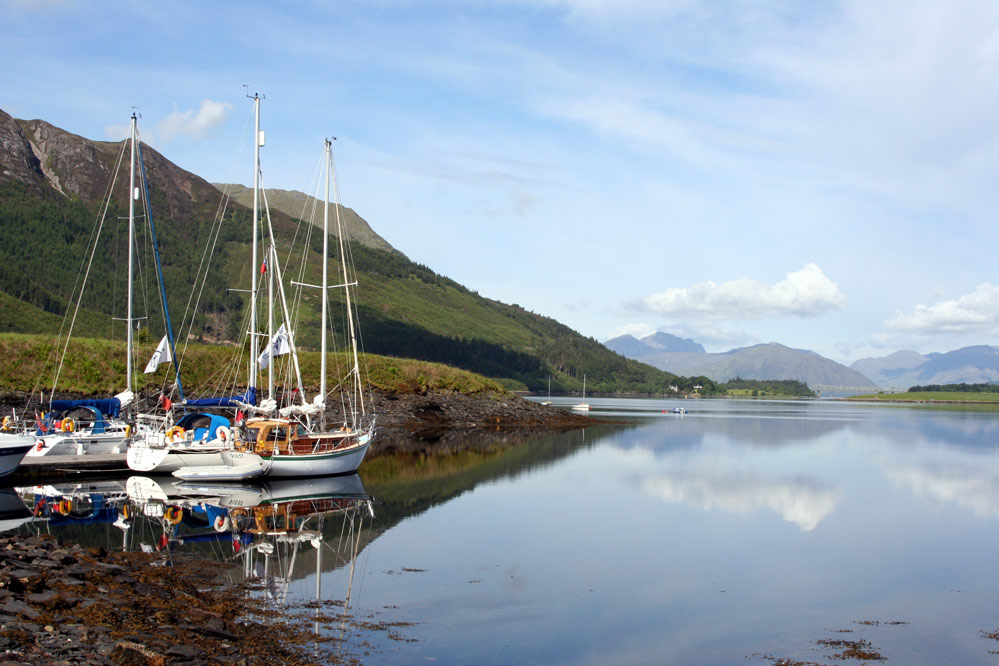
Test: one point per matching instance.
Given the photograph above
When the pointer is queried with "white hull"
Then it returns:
(345, 461)
(12, 451)
(236, 466)
(79, 443)
(582, 407)
(166, 460)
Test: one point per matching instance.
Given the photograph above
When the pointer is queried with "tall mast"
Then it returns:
(325, 296)
(132, 196)
(350, 313)
(254, 261)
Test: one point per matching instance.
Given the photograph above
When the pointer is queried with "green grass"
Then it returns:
(97, 367)
(936, 396)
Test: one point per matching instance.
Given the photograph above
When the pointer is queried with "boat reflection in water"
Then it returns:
(265, 525)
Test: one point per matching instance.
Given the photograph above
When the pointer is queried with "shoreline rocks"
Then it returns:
(64, 604)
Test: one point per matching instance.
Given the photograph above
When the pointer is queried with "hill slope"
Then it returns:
(52, 183)
(297, 205)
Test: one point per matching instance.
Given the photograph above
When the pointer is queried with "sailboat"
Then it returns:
(583, 406)
(97, 426)
(549, 400)
(289, 442)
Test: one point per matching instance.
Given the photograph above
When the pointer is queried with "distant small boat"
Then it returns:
(583, 406)
(549, 400)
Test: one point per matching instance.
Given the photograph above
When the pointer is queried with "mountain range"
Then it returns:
(900, 370)
(978, 364)
(53, 184)
(767, 361)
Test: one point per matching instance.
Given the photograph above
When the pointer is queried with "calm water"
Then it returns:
(736, 531)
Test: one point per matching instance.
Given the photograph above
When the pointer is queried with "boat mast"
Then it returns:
(325, 296)
(133, 194)
(350, 314)
(252, 380)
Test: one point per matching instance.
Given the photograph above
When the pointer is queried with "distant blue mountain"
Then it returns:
(977, 364)
(631, 347)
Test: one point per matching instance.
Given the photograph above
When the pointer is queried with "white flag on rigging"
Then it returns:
(279, 345)
(161, 355)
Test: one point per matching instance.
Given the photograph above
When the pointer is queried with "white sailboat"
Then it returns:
(289, 441)
(583, 406)
(95, 426)
(549, 400)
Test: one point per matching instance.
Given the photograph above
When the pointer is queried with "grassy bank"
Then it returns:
(940, 397)
(98, 367)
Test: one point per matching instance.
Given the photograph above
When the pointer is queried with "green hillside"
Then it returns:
(49, 212)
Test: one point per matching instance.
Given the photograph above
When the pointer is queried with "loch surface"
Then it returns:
(739, 532)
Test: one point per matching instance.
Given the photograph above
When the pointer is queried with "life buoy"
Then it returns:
(125, 512)
(175, 433)
(222, 433)
(173, 514)
(68, 425)
(221, 523)
(128, 431)
(6, 423)
(65, 507)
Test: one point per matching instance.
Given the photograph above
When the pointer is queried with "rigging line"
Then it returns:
(218, 222)
(284, 302)
(93, 251)
(159, 273)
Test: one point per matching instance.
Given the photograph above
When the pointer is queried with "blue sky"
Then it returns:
(821, 175)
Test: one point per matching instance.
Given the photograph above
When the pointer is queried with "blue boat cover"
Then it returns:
(107, 406)
(248, 398)
(203, 425)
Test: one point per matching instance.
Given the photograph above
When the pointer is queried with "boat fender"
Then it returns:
(175, 433)
(222, 432)
(68, 425)
(6, 422)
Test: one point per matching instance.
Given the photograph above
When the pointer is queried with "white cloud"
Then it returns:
(974, 313)
(209, 116)
(972, 487)
(805, 293)
(636, 330)
(798, 501)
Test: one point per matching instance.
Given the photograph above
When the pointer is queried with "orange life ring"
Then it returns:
(68, 425)
(175, 433)
(6, 422)
(173, 514)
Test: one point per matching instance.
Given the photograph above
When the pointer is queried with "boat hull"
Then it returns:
(12, 452)
(344, 460)
(80, 443)
(162, 460)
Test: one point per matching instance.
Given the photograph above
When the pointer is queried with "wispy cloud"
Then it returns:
(198, 123)
(805, 293)
(974, 313)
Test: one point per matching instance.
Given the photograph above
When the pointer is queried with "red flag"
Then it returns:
(239, 416)
(263, 266)
(165, 402)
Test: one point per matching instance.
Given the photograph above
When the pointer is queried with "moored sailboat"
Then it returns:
(296, 440)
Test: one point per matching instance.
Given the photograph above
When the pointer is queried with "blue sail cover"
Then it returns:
(107, 406)
(248, 398)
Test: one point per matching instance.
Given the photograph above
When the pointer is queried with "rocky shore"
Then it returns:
(61, 604)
